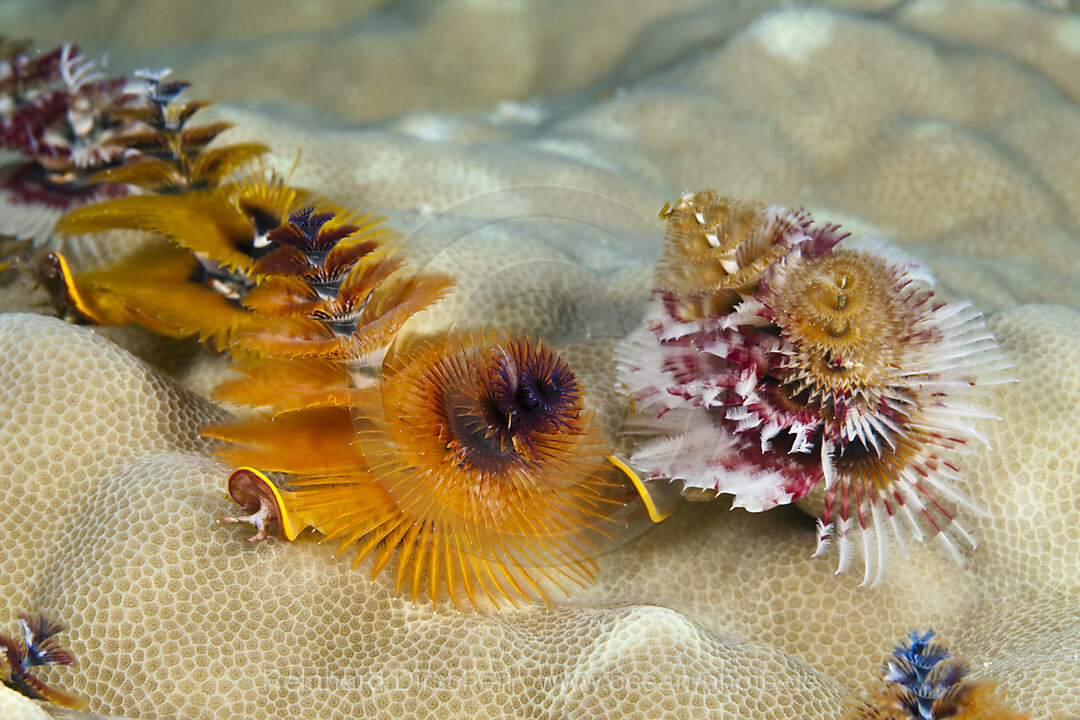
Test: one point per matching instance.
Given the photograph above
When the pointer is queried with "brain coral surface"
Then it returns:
(926, 122)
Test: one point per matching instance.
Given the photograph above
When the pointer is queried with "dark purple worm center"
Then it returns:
(533, 391)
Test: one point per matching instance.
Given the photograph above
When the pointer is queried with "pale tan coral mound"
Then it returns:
(119, 540)
(935, 128)
(16, 707)
(1013, 610)
(951, 147)
(371, 59)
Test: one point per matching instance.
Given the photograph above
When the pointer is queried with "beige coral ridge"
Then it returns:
(928, 123)
(118, 538)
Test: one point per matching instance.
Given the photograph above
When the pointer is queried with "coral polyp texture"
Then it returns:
(470, 458)
(921, 682)
(38, 646)
(939, 125)
(774, 360)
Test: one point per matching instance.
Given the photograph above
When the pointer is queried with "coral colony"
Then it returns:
(38, 647)
(921, 682)
(776, 358)
(773, 360)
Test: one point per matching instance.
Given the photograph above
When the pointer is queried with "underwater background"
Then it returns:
(526, 149)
